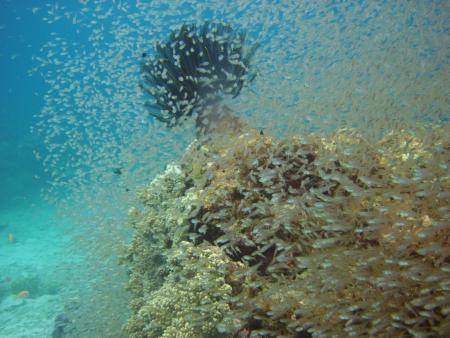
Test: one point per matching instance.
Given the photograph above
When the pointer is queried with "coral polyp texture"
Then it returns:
(194, 69)
(313, 236)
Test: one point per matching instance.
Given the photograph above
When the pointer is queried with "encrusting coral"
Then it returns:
(176, 285)
(194, 296)
(314, 236)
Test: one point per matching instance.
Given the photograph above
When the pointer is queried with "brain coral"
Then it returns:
(306, 237)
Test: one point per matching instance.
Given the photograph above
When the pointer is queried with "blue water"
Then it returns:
(21, 97)
(39, 251)
(46, 247)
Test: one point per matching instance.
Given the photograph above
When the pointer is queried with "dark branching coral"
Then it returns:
(193, 69)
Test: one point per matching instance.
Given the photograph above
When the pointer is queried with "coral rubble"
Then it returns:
(314, 236)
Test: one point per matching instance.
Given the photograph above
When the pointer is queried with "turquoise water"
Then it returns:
(71, 112)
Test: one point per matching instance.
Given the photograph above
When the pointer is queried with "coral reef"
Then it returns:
(176, 285)
(194, 296)
(311, 236)
(157, 227)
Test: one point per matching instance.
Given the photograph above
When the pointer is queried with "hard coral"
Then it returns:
(336, 222)
(157, 225)
(194, 296)
(323, 237)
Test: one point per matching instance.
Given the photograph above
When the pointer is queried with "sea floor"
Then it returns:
(37, 265)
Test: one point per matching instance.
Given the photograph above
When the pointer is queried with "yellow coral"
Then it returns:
(194, 297)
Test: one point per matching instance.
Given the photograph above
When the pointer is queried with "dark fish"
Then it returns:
(117, 171)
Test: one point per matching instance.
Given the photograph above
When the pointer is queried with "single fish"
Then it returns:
(117, 171)
(11, 238)
(23, 294)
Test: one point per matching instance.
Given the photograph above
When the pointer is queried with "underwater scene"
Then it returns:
(224, 168)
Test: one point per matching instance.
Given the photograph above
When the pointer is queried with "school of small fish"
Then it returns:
(321, 65)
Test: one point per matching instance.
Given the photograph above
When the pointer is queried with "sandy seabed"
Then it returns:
(34, 257)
